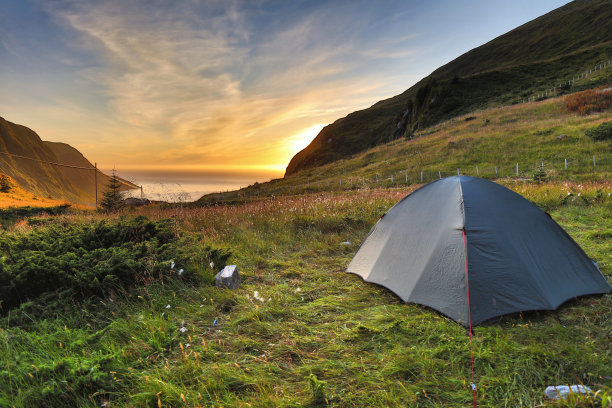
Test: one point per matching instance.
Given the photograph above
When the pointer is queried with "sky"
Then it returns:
(233, 85)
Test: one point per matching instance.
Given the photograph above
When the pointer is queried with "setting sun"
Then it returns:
(302, 139)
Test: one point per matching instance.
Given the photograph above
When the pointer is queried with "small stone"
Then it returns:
(228, 277)
(561, 136)
(556, 392)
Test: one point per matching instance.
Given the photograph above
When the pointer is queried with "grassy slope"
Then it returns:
(529, 59)
(313, 335)
(18, 197)
(82, 180)
(55, 182)
(524, 133)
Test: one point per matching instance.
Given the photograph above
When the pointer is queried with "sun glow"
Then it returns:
(302, 139)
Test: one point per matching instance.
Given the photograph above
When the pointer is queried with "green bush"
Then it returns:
(11, 215)
(5, 184)
(64, 264)
(601, 132)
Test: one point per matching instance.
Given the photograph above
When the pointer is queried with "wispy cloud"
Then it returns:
(222, 81)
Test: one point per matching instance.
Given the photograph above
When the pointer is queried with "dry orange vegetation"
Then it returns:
(18, 197)
(591, 100)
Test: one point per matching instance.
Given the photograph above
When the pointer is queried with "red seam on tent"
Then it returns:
(467, 283)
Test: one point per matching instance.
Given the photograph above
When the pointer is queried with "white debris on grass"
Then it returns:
(258, 297)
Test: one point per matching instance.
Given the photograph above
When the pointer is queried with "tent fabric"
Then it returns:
(518, 258)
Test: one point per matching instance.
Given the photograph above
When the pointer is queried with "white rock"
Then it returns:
(555, 392)
(228, 277)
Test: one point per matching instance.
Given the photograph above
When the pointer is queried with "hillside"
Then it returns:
(540, 55)
(486, 143)
(15, 196)
(44, 179)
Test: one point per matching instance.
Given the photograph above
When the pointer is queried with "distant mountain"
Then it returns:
(539, 55)
(33, 172)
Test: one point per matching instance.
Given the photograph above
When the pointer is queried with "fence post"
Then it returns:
(477, 171)
(96, 182)
(516, 169)
(565, 164)
(421, 176)
(363, 180)
(392, 179)
(406, 176)
(495, 171)
(594, 164)
(439, 174)
(457, 171)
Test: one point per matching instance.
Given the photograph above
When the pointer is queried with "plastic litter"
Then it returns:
(556, 392)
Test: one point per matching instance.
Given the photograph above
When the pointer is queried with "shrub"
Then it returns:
(5, 184)
(63, 264)
(601, 132)
(592, 100)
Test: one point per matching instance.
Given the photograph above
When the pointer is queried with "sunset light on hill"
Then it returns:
(302, 139)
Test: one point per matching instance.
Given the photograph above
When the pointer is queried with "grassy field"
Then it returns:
(300, 331)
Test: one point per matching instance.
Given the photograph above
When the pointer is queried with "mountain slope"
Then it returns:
(41, 178)
(532, 58)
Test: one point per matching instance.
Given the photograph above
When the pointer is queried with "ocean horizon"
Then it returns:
(189, 185)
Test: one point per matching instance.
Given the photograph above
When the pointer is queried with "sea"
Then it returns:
(189, 185)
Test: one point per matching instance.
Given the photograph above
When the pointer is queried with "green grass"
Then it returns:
(312, 335)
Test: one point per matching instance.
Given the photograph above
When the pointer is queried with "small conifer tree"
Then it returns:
(5, 184)
(112, 199)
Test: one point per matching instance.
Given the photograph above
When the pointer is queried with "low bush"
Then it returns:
(61, 264)
(592, 100)
(601, 132)
(11, 215)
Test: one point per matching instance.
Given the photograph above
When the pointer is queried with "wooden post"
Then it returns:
(96, 182)
(516, 169)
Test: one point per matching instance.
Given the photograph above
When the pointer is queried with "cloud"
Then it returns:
(220, 78)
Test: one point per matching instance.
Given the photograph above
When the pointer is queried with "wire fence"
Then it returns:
(95, 187)
(567, 83)
(542, 170)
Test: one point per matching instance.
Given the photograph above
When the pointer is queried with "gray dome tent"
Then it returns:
(518, 258)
